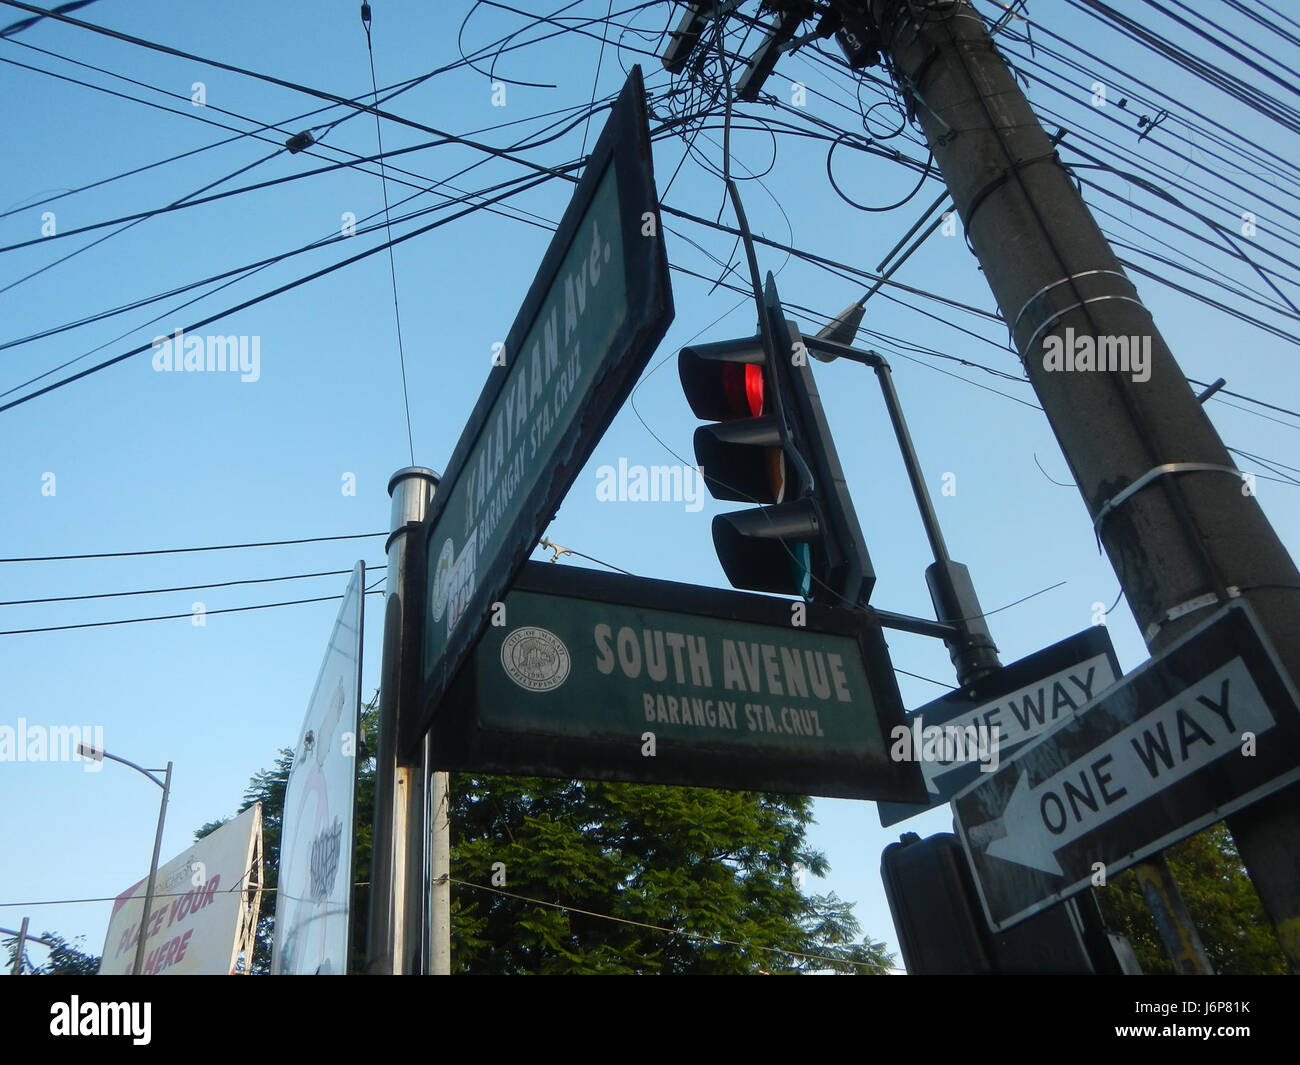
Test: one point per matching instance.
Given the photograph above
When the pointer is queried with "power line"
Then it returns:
(333, 236)
(192, 550)
(824, 261)
(22, 24)
(391, 92)
(397, 86)
(520, 214)
(354, 160)
(276, 291)
(388, 224)
(108, 236)
(173, 617)
(848, 271)
(1268, 24)
(662, 928)
(819, 316)
(1233, 136)
(1165, 175)
(182, 588)
(29, 904)
(186, 202)
(328, 269)
(1248, 399)
(1217, 41)
(1252, 97)
(929, 680)
(1070, 92)
(294, 86)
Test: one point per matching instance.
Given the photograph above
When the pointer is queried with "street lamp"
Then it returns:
(88, 750)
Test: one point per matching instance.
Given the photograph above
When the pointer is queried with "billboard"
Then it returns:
(205, 907)
(314, 888)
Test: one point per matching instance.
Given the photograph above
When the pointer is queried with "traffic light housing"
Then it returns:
(942, 929)
(769, 444)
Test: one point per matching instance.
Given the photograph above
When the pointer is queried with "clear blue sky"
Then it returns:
(143, 459)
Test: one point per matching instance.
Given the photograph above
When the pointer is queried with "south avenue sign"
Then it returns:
(597, 308)
(597, 676)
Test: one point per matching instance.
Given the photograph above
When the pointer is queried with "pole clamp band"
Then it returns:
(1047, 315)
(1159, 471)
(1176, 612)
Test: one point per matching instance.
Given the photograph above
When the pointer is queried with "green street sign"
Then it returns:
(591, 675)
(599, 305)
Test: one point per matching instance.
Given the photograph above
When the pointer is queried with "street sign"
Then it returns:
(1021, 701)
(1209, 727)
(599, 305)
(600, 676)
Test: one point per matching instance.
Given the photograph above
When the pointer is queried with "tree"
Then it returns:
(610, 878)
(1221, 900)
(64, 959)
(561, 876)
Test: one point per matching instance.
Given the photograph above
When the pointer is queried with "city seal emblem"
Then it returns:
(441, 583)
(535, 659)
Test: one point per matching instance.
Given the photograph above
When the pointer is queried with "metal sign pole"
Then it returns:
(971, 644)
(153, 872)
(399, 789)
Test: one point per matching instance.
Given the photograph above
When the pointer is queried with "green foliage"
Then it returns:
(717, 869)
(64, 958)
(1221, 900)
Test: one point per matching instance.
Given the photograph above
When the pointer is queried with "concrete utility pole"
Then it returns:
(1181, 529)
(397, 880)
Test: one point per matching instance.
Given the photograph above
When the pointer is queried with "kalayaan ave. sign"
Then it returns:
(597, 676)
(597, 308)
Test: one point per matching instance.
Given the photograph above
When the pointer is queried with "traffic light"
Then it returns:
(942, 929)
(747, 456)
(769, 445)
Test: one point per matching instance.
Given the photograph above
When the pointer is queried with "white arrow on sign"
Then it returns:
(1202, 724)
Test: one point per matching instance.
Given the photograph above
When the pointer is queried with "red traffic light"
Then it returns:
(743, 385)
(724, 381)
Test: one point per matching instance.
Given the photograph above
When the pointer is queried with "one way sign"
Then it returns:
(1013, 704)
(1209, 727)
